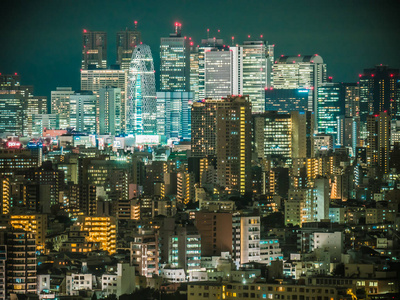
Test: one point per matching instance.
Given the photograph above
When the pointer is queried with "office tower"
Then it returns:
(351, 99)
(252, 72)
(378, 143)
(94, 49)
(329, 108)
(173, 114)
(83, 111)
(215, 71)
(204, 129)
(110, 111)
(234, 144)
(380, 91)
(175, 62)
(215, 229)
(348, 133)
(304, 72)
(101, 230)
(36, 224)
(40, 122)
(194, 70)
(60, 105)
(302, 134)
(33, 105)
(11, 107)
(287, 100)
(141, 108)
(273, 136)
(12, 160)
(94, 80)
(20, 266)
(127, 40)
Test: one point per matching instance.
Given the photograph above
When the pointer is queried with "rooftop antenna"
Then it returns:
(233, 41)
(208, 33)
(135, 22)
(219, 31)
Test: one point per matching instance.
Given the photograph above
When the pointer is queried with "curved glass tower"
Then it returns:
(141, 101)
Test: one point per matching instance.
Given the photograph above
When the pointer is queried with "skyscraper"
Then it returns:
(110, 111)
(204, 128)
(273, 136)
(33, 105)
(216, 67)
(11, 107)
(60, 104)
(252, 72)
(94, 80)
(351, 99)
(380, 89)
(127, 40)
(302, 71)
(329, 108)
(233, 137)
(175, 62)
(378, 143)
(141, 96)
(173, 114)
(94, 49)
(83, 111)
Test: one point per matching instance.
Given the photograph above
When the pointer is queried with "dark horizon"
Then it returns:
(41, 40)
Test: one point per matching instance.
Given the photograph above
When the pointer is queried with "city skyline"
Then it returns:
(307, 28)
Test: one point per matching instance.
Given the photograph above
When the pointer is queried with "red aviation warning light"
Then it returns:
(84, 31)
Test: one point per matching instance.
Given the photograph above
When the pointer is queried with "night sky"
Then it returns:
(41, 40)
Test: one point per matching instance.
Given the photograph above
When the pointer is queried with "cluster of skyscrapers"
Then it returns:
(181, 176)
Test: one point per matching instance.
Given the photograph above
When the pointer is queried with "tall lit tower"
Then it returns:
(94, 49)
(141, 96)
(175, 62)
(301, 71)
(127, 40)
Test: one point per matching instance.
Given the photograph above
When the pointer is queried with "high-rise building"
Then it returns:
(245, 238)
(60, 105)
(329, 108)
(94, 49)
(110, 111)
(215, 73)
(94, 80)
(300, 72)
(141, 109)
(302, 134)
(348, 133)
(127, 40)
(287, 100)
(194, 70)
(351, 99)
(33, 105)
(378, 143)
(252, 71)
(11, 107)
(40, 122)
(175, 62)
(36, 224)
(380, 91)
(145, 253)
(204, 129)
(273, 136)
(20, 266)
(83, 111)
(233, 138)
(173, 114)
